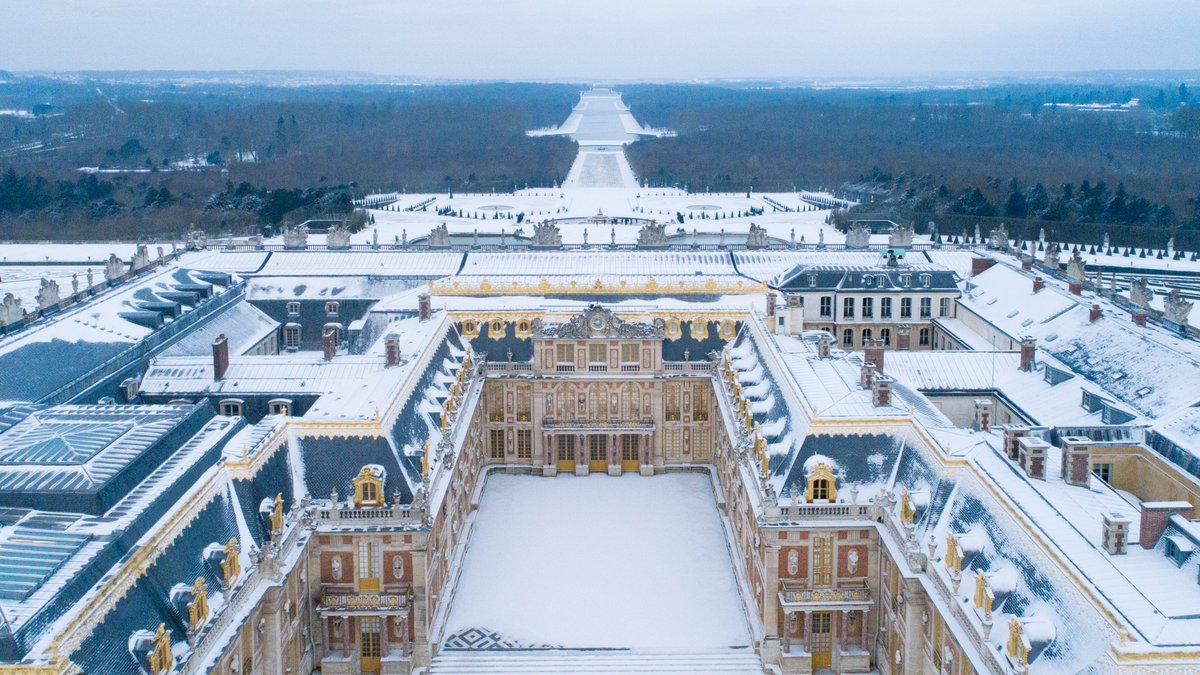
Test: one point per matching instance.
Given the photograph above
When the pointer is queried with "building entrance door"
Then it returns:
(566, 452)
(370, 654)
(597, 452)
(630, 459)
(822, 640)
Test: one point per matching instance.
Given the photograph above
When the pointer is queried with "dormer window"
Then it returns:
(812, 281)
(368, 487)
(291, 336)
(906, 280)
(822, 484)
(470, 330)
(231, 407)
(1178, 549)
(925, 279)
(496, 329)
(293, 308)
(331, 308)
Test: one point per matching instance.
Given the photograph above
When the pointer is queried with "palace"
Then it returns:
(719, 449)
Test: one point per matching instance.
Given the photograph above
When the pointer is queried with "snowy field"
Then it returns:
(626, 562)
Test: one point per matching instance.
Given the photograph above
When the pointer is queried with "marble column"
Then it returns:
(806, 632)
(843, 638)
(786, 638)
(862, 637)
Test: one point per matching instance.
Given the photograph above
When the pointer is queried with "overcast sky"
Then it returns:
(602, 39)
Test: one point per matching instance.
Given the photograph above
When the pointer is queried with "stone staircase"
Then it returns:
(743, 661)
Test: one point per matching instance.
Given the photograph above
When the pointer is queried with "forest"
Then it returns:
(99, 156)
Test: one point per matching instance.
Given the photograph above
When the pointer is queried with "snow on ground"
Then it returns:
(632, 561)
(24, 282)
(83, 253)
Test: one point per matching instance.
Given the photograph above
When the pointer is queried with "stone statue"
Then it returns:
(295, 237)
(439, 237)
(1177, 309)
(89, 278)
(652, 235)
(375, 238)
(141, 258)
(1051, 258)
(1075, 269)
(859, 236)
(901, 236)
(998, 238)
(1140, 293)
(757, 238)
(113, 268)
(546, 235)
(74, 283)
(337, 238)
(47, 293)
(11, 311)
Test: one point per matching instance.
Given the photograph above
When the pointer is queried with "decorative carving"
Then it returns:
(335, 568)
(998, 238)
(141, 258)
(983, 594)
(1075, 269)
(954, 556)
(546, 235)
(439, 237)
(652, 235)
(47, 294)
(901, 236)
(337, 238)
(198, 608)
(858, 236)
(596, 322)
(160, 659)
(822, 484)
(277, 516)
(1018, 644)
(295, 237)
(757, 238)
(1140, 293)
(113, 268)
(368, 486)
(230, 566)
(10, 310)
(398, 567)
(1051, 257)
(852, 562)
(793, 562)
(1177, 309)
(907, 511)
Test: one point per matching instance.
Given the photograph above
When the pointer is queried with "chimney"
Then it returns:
(329, 342)
(1114, 538)
(1076, 461)
(1140, 319)
(391, 345)
(1033, 456)
(903, 336)
(1026, 264)
(1028, 353)
(220, 357)
(981, 265)
(824, 345)
(1038, 284)
(423, 306)
(873, 352)
(866, 375)
(983, 414)
(1013, 432)
(1155, 516)
(881, 390)
(771, 305)
(1076, 287)
(1095, 313)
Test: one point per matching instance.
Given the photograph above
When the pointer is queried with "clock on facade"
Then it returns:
(597, 322)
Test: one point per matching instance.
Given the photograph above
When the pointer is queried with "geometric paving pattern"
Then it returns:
(483, 639)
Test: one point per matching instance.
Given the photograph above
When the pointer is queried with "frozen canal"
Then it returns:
(628, 562)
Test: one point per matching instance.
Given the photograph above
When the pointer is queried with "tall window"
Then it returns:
(885, 308)
(629, 447)
(699, 403)
(944, 307)
(671, 405)
(565, 353)
(524, 404)
(524, 443)
(369, 560)
(496, 404)
(673, 447)
(566, 448)
(866, 336)
(868, 308)
(905, 308)
(822, 560)
(631, 353)
(598, 355)
(700, 446)
(848, 308)
(826, 305)
(926, 307)
(370, 637)
(820, 490)
(924, 337)
(848, 338)
(496, 444)
(885, 334)
(291, 336)
(597, 448)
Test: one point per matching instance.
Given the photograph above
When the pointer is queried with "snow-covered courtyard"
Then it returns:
(599, 562)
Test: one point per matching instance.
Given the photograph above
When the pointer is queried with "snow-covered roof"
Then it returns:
(242, 323)
(383, 263)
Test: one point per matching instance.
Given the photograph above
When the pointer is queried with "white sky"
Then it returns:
(602, 39)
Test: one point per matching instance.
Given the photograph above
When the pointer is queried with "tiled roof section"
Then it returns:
(867, 278)
(600, 263)
(242, 323)
(766, 265)
(423, 264)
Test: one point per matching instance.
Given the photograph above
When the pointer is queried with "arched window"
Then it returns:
(885, 334)
(231, 407)
(496, 329)
(848, 337)
(866, 336)
(821, 484)
(924, 337)
(368, 487)
(470, 329)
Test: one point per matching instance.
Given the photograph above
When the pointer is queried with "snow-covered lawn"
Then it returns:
(634, 562)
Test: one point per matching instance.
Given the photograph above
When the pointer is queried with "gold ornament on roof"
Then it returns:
(160, 658)
(230, 566)
(425, 462)
(954, 557)
(277, 516)
(198, 608)
(1018, 649)
(907, 511)
(822, 484)
(981, 593)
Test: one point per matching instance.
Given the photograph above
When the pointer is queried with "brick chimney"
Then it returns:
(873, 353)
(1033, 456)
(1076, 287)
(391, 345)
(983, 414)
(1028, 353)
(903, 336)
(1038, 284)
(329, 342)
(981, 265)
(423, 306)
(866, 375)
(881, 390)
(1095, 313)
(1013, 433)
(1114, 538)
(1026, 264)
(1140, 319)
(1076, 460)
(824, 345)
(220, 357)
(1155, 516)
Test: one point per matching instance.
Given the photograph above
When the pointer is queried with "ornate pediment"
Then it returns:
(597, 322)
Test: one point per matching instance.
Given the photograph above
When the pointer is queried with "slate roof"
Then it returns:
(870, 279)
